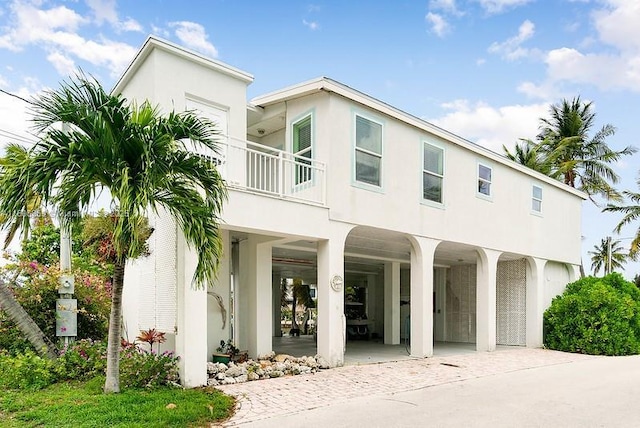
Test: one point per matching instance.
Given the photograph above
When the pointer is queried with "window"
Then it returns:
(302, 149)
(536, 199)
(484, 180)
(432, 172)
(368, 151)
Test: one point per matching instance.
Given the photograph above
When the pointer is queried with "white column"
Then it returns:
(255, 333)
(392, 303)
(535, 301)
(422, 254)
(221, 287)
(331, 319)
(487, 266)
(574, 272)
(191, 335)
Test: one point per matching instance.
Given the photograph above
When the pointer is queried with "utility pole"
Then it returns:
(66, 305)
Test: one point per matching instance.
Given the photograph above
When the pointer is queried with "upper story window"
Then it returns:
(536, 199)
(368, 151)
(302, 149)
(432, 172)
(484, 180)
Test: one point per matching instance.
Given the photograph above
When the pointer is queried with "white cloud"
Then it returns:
(106, 11)
(481, 61)
(56, 31)
(15, 117)
(194, 36)
(616, 68)
(447, 6)
(489, 126)
(438, 24)
(312, 25)
(512, 49)
(63, 64)
(499, 6)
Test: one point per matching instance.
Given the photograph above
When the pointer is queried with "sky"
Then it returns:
(486, 70)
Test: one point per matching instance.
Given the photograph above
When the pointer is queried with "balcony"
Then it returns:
(264, 170)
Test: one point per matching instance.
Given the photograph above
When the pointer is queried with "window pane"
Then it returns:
(484, 172)
(484, 187)
(302, 135)
(537, 192)
(368, 135)
(536, 205)
(367, 168)
(432, 187)
(433, 159)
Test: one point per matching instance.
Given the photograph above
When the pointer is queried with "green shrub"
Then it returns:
(597, 316)
(142, 369)
(26, 371)
(84, 359)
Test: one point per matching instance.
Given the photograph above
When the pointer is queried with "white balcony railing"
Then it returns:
(258, 168)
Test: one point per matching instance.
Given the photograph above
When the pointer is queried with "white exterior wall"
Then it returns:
(504, 223)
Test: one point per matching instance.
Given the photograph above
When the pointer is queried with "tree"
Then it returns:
(143, 160)
(600, 256)
(33, 214)
(631, 213)
(575, 158)
(527, 153)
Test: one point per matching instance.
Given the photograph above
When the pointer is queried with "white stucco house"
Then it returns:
(336, 187)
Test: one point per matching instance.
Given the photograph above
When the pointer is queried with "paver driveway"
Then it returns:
(261, 400)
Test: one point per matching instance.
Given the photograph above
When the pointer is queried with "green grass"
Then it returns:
(83, 404)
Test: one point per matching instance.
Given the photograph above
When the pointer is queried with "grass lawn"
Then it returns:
(83, 404)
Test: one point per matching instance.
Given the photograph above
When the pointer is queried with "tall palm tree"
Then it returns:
(33, 214)
(631, 213)
(577, 159)
(142, 159)
(600, 256)
(527, 153)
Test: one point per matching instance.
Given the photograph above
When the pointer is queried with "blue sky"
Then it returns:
(486, 70)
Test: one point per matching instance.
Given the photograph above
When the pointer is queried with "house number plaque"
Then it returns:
(336, 282)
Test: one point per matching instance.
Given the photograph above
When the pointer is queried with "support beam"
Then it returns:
(256, 290)
(331, 319)
(422, 254)
(487, 267)
(392, 303)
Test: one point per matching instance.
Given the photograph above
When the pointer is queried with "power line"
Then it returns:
(14, 136)
(16, 96)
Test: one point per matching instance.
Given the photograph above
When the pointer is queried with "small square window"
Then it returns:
(484, 180)
(536, 199)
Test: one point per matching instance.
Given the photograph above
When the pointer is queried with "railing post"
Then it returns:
(281, 168)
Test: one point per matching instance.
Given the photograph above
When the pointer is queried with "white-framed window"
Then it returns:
(484, 180)
(432, 172)
(368, 151)
(536, 199)
(302, 148)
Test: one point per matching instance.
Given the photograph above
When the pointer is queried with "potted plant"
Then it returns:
(225, 352)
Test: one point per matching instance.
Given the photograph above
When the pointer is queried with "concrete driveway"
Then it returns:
(514, 387)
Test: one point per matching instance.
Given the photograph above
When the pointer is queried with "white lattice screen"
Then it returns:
(158, 277)
(511, 309)
(461, 304)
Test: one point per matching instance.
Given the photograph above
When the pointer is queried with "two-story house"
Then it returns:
(344, 191)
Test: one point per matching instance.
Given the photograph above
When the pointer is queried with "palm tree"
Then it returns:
(33, 214)
(577, 159)
(630, 213)
(527, 153)
(142, 159)
(600, 256)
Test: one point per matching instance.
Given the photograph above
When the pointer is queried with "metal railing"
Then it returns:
(263, 169)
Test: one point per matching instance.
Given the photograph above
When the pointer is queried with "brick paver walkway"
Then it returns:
(292, 394)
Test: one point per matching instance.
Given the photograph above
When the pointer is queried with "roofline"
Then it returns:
(330, 85)
(153, 42)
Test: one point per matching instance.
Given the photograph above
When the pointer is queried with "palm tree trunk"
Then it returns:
(25, 323)
(112, 382)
